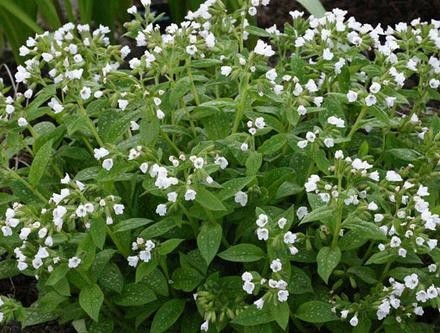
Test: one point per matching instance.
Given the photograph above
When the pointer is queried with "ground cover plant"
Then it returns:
(230, 178)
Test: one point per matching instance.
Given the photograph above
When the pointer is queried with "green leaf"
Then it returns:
(242, 253)
(8, 269)
(273, 145)
(208, 240)
(251, 316)
(157, 282)
(280, 312)
(135, 294)
(209, 200)
(300, 282)
(131, 224)
(20, 14)
(90, 300)
(111, 278)
(169, 246)
(144, 269)
(49, 12)
(167, 315)
(98, 232)
(253, 163)
(366, 274)
(40, 162)
(315, 312)
(57, 274)
(367, 229)
(232, 186)
(327, 259)
(158, 228)
(257, 31)
(318, 214)
(186, 278)
(381, 258)
(405, 154)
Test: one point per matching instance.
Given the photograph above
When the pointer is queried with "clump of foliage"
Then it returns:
(228, 179)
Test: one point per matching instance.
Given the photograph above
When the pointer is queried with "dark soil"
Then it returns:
(367, 11)
(386, 12)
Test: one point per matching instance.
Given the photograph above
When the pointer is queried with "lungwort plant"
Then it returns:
(214, 184)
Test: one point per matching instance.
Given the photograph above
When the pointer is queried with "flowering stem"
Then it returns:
(338, 225)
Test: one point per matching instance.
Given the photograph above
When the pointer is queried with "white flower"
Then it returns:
(354, 321)
(329, 142)
(205, 326)
(190, 195)
(310, 136)
(252, 11)
(434, 83)
(132, 10)
(411, 281)
(311, 184)
(390, 101)
(276, 265)
(107, 164)
(262, 220)
(244, 146)
(302, 144)
(22, 122)
(338, 122)
(198, 163)
(339, 154)
(395, 241)
(282, 222)
(125, 51)
(352, 96)
(375, 87)
(378, 218)
(301, 110)
(246, 276)
(132, 261)
(263, 49)
(144, 167)
(172, 196)
(55, 105)
(74, 262)
(221, 161)
(226, 70)
(122, 104)
(301, 212)
(146, 3)
(100, 153)
(161, 209)
(262, 234)
(85, 93)
(259, 123)
(372, 206)
(118, 209)
(370, 100)
(289, 238)
(283, 295)
(28, 93)
(271, 75)
(9, 109)
(422, 191)
(374, 176)
(259, 303)
(248, 287)
(241, 198)
(191, 49)
(393, 176)
(327, 54)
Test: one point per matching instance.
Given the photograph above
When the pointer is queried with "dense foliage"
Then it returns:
(225, 177)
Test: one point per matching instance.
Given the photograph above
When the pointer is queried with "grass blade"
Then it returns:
(314, 7)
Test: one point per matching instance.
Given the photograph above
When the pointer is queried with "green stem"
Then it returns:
(338, 224)
(360, 117)
(27, 185)
(116, 241)
(91, 125)
(171, 143)
(241, 105)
